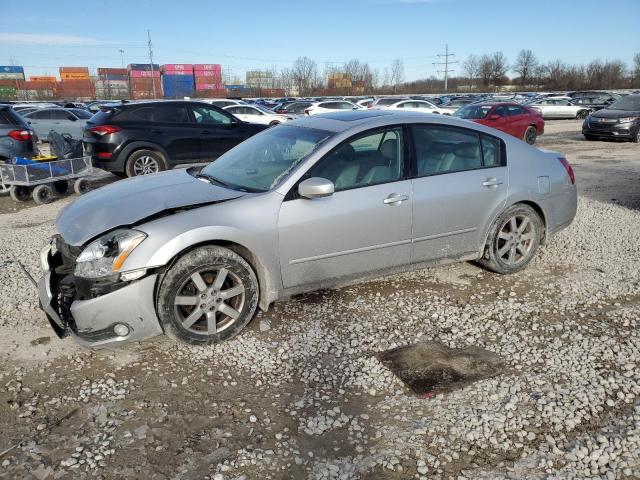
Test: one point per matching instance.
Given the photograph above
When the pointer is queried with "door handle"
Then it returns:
(395, 199)
(492, 182)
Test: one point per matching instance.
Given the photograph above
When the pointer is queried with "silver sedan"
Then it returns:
(318, 202)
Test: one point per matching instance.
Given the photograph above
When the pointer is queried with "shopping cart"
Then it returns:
(43, 180)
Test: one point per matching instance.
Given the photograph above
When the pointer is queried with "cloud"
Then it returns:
(51, 39)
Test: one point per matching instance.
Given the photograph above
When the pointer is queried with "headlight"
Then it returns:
(626, 119)
(105, 256)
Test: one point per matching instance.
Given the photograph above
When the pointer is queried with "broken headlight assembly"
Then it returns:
(105, 256)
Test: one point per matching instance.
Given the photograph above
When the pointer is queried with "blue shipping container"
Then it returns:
(143, 66)
(175, 86)
(11, 69)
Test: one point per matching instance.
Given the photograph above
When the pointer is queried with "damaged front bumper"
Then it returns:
(111, 315)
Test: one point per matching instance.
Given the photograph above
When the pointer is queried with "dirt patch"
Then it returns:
(431, 367)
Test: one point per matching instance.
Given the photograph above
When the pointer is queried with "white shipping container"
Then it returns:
(112, 84)
(11, 76)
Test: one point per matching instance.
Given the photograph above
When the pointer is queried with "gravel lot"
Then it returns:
(302, 392)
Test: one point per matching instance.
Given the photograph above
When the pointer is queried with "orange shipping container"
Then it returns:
(43, 79)
(74, 76)
(74, 70)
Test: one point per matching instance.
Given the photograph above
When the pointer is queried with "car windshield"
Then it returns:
(471, 112)
(259, 163)
(630, 102)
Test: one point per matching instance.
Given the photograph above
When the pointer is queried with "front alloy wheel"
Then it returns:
(208, 296)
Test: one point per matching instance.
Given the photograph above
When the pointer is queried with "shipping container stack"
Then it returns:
(75, 84)
(144, 81)
(41, 88)
(177, 80)
(11, 81)
(112, 84)
(208, 80)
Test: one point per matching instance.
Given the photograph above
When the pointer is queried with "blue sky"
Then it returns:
(249, 34)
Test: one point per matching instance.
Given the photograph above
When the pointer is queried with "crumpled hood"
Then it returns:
(129, 201)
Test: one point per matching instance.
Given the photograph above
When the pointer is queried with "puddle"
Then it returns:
(431, 367)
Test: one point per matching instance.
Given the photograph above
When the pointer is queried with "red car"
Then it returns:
(512, 118)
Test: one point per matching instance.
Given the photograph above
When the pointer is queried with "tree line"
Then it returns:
(488, 72)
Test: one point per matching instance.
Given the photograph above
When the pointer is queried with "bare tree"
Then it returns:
(499, 66)
(525, 65)
(305, 75)
(635, 76)
(397, 73)
(485, 70)
(471, 68)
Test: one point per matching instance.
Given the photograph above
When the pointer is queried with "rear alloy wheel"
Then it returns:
(582, 114)
(531, 134)
(145, 162)
(513, 240)
(208, 296)
(19, 194)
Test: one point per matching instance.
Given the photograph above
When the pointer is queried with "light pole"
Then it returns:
(122, 57)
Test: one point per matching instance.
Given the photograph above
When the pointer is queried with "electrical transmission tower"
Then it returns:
(153, 80)
(446, 64)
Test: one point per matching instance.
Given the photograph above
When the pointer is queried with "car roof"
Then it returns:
(346, 120)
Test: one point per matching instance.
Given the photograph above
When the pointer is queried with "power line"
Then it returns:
(446, 64)
(153, 80)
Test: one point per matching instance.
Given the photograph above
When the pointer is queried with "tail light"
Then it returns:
(104, 129)
(567, 167)
(20, 135)
(281, 110)
(105, 155)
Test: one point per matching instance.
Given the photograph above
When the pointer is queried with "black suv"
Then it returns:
(139, 138)
(16, 136)
(621, 119)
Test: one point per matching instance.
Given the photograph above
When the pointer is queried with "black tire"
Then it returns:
(498, 240)
(61, 187)
(81, 186)
(636, 137)
(530, 135)
(206, 263)
(145, 162)
(590, 137)
(274, 123)
(19, 194)
(42, 194)
(582, 114)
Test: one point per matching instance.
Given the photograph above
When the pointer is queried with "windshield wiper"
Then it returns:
(211, 179)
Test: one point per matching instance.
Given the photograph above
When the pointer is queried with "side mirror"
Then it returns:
(73, 119)
(355, 108)
(316, 187)
(494, 116)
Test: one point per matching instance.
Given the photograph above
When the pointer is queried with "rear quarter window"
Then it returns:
(102, 116)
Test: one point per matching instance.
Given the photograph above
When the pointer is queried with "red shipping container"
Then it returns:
(209, 79)
(113, 71)
(144, 74)
(216, 68)
(177, 67)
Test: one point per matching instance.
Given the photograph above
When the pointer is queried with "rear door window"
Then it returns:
(209, 116)
(445, 150)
